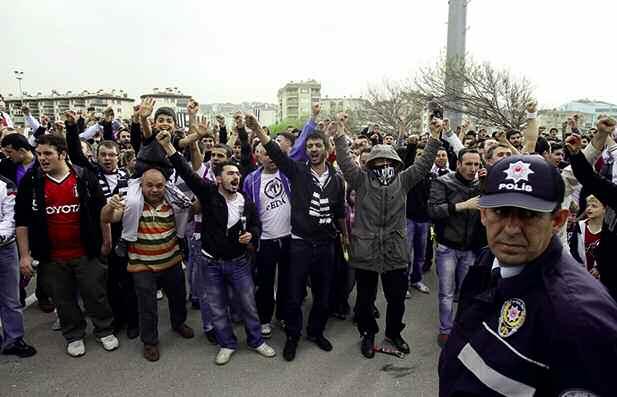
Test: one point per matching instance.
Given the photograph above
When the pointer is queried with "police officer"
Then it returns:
(531, 321)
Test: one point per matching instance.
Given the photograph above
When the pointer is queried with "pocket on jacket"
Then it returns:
(396, 246)
(364, 246)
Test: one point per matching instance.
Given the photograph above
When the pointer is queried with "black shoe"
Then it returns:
(47, 306)
(19, 349)
(211, 336)
(289, 351)
(367, 346)
(321, 341)
(399, 343)
(132, 333)
(376, 313)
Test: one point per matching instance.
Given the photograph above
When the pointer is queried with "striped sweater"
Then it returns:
(156, 248)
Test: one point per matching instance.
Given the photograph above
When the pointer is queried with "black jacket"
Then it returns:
(549, 330)
(30, 211)
(606, 192)
(454, 229)
(303, 194)
(216, 239)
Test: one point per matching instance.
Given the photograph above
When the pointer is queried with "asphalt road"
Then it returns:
(187, 368)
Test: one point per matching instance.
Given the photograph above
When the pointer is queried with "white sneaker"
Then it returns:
(266, 331)
(420, 286)
(109, 342)
(223, 356)
(159, 294)
(408, 294)
(76, 348)
(265, 350)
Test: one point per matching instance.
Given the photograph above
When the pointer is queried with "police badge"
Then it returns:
(512, 317)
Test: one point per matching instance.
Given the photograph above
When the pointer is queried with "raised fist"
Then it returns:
(316, 109)
(193, 107)
(164, 138)
(436, 127)
(606, 125)
(532, 106)
(251, 122)
(573, 143)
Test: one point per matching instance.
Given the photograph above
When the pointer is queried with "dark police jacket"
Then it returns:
(549, 331)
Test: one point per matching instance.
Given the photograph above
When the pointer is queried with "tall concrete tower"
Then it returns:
(457, 31)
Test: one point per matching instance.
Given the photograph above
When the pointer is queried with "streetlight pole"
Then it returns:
(457, 31)
(19, 75)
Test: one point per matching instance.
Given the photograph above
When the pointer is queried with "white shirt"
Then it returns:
(508, 271)
(275, 211)
(112, 180)
(235, 208)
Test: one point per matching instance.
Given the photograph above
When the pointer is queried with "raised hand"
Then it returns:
(532, 107)
(146, 108)
(606, 125)
(202, 127)
(25, 110)
(116, 202)
(193, 107)
(316, 108)
(239, 119)
(71, 117)
(436, 128)
(573, 143)
(251, 122)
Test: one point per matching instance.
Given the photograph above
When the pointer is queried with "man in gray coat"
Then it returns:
(378, 234)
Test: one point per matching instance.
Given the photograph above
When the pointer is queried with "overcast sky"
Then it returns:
(246, 50)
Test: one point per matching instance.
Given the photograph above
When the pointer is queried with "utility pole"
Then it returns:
(457, 31)
(19, 75)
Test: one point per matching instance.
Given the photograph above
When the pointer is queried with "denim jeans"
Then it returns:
(452, 266)
(197, 272)
(237, 274)
(417, 233)
(10, 307)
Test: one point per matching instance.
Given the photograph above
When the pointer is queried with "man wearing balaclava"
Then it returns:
(378, 237)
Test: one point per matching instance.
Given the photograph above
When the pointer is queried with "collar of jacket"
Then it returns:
(463, 180)
(532, 275)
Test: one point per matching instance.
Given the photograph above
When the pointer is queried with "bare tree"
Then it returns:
(488, 94)
(395, 107)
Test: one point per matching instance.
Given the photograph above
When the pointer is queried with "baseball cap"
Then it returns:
(528, 182)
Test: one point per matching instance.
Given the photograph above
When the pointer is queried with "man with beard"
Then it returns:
(113, 180)
(231, 224)
(57, 215)
(379, 244)
(270, 190)
(317, 204)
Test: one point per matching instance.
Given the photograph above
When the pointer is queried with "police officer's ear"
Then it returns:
(559, 218)
(483, 216)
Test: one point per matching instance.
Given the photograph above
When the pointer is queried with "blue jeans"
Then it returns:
(417, 233)
(10, 307)
(235, 273)
(197, 274)
(452, 266)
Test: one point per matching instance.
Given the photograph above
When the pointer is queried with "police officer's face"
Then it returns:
(517, 236)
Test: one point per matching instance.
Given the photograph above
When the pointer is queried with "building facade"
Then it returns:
(295, 99)
(591, 110)
(55, 104)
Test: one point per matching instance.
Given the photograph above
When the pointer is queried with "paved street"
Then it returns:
(187, 368)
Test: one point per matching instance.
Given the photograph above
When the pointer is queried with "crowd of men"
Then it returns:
(519, 225)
